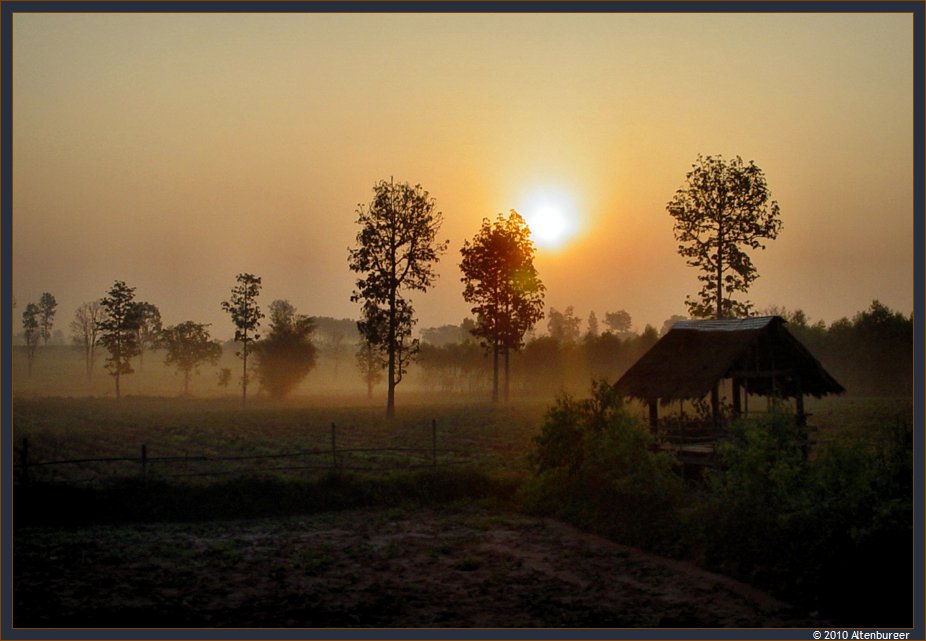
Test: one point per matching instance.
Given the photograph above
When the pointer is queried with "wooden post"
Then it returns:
(737, 405)
(334, 448)
(144, 460)
(653, 415)
(24, 474)
(433, 442)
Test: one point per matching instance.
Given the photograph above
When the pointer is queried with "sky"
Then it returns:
(174, 151)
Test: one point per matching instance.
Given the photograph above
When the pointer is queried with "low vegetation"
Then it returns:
(829, 532)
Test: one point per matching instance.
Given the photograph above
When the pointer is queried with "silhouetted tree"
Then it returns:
(148, 329)
(502, 283)
(187, 346)
(85, 331)
(592, 325)
(371, 364)
(618, 323)
(563, 326)
(286, 355)
(118, 330)
(31, 332)
(47, 308)
(245, 314)
(723, 209)
(670, 322)
(224, 377)
(396, 247)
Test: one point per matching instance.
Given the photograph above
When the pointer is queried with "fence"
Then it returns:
(357, 459)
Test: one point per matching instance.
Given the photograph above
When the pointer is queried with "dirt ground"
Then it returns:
(398, 568)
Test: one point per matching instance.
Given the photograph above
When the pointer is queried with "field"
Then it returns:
(413, 545)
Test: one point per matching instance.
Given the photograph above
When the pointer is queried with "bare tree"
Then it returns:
(85, 332)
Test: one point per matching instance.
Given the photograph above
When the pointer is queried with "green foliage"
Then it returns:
(819, 530)
(594, 466)
(287, 355)
(723, 209)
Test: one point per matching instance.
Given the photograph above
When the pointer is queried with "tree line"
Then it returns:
(722, 211)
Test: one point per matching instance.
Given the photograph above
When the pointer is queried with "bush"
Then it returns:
(831, 532)
(594, 465)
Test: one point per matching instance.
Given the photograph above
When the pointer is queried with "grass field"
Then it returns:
(483, 460)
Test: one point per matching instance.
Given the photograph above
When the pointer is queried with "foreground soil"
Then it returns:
(398, 568)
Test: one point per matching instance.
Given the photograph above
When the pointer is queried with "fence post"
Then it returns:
(334, 448)
(144, 460)
(434, 442)
(24, 475)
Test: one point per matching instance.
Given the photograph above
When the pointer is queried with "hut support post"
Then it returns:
(715, 404)
(737, 405)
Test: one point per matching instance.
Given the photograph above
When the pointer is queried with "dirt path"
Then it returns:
(377, 568)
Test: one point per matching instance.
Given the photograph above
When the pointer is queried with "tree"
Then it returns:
(371, 364)
(592, 323)
(503, 286)
(245, 314)
(395, 251)
(618, 322)
(85, 331)
(188, 345)
(723, 209)
(47, 308)
(148, 329)
(286, 355)
(31, 331)
(118, 330)
(563, 326)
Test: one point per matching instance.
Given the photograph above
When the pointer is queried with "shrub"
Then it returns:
(594, 466)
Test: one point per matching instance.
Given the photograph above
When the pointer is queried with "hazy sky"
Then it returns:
(175, 151)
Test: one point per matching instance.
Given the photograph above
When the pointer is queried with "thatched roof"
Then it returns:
(693, 356)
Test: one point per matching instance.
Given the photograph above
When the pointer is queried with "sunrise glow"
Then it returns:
(552, 217)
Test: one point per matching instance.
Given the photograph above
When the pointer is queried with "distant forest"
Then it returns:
(870, 354)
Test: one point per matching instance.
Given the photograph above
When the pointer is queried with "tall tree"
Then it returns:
(245, 314)
(85, 332)
(503, 286)
(188, 345)
(396, 248)
(118, 331)
(148, 329)
(286, 355)
(723, 210)
(47, 308)
(32, 331)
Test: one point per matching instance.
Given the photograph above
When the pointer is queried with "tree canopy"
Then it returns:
(286, 355)
(503, 286)
(395, 252)
(723, 210)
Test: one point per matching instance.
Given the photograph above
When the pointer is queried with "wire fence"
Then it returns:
(333, 458)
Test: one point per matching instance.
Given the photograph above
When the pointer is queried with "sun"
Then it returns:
(551, 216)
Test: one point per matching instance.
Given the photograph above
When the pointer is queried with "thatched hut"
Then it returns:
(758, 354)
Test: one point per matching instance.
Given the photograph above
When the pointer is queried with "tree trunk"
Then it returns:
(506, 373)
(495, 372)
